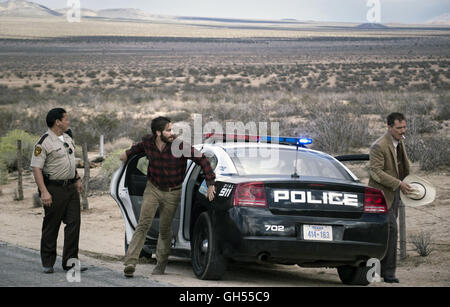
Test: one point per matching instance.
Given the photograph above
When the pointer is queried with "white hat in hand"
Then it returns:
(422, 194)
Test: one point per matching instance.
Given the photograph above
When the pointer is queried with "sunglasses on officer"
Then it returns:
(67, 146)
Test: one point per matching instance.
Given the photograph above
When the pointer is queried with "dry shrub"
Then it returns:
(338, 133)
(422, 243)
(120, 143)
(432, 152)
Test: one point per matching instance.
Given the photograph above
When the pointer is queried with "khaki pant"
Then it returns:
(168, 203)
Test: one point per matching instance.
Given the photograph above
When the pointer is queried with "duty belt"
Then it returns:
(65, 182)
(169, 189)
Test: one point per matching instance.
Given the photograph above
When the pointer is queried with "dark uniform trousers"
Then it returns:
(65, 208)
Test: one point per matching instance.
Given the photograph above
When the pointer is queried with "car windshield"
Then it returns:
(280, 161)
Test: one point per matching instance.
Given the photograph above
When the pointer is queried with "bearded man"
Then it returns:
(165, 176)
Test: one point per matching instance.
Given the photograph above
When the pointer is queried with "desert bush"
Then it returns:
(8, 148)
(60, 80)
(419, 124)
(443, 110)
(337, 133)
(3, 173)
(422, 243)
(431, 152)
(88, 130)
(92, 74)
(112, 73)
(180, 116)
(111, 163)
(120, 143)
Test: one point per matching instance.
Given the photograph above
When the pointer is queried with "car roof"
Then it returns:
(232, 145)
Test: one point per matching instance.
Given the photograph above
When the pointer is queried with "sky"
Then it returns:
(403, 11)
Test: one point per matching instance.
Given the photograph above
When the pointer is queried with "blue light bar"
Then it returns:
(304, 141)
(299, 142)
(286, 140)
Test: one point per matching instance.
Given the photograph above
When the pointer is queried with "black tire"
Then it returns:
(351, 275)
(207, 261)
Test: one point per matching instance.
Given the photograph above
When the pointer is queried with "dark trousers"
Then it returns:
(65, 208)
(389, 262)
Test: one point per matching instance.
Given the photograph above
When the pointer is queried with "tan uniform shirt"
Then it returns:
(55, 157)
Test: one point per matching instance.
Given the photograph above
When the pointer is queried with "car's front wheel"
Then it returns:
(207, 261)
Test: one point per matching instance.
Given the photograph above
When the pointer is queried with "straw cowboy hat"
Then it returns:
(423, 192)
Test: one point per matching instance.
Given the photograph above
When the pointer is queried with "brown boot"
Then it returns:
(159, 268)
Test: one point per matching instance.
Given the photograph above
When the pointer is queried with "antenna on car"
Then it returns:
(295, 175)
(301, 142)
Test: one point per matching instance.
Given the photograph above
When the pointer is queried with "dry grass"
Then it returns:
(32, 28)
(335, 84)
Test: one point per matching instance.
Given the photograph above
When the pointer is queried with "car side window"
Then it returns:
(142, 165)
(212, 158)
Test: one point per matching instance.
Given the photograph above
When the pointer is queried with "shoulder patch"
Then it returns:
(37, 150)
(42, 139)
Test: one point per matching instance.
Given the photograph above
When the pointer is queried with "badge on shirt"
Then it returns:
(37, 151)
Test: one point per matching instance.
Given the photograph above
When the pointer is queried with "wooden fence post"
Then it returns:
(19, 194)
(402, 229)
(102, 144)
(85, 182)
(1, 179)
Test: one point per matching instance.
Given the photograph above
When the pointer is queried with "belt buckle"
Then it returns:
(65, 182)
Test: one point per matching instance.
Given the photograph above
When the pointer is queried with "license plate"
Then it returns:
(318, 232)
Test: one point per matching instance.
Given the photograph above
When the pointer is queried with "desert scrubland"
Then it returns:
(332, 82)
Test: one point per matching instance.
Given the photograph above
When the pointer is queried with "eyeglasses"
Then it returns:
(67, 146)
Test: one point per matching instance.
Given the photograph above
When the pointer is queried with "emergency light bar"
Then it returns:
(299, 142)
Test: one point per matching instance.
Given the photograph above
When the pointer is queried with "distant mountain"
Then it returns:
(235, 20)
(84, 12)
(21, 8)
(126, 14)
(372, 26)
(443, 19)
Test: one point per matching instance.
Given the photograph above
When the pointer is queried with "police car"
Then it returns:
(276, 202)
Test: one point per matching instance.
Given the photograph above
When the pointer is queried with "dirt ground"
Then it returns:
(102, 242)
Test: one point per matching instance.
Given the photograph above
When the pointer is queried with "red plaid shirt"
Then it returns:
(164, 169)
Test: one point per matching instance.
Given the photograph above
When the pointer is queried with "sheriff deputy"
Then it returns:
(53, 164)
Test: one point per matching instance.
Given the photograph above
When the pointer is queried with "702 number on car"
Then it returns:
(274, 228)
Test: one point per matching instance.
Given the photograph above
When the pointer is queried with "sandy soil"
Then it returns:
(102, 242)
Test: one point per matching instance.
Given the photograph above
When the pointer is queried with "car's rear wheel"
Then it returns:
(351, 275)
(207, 261)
